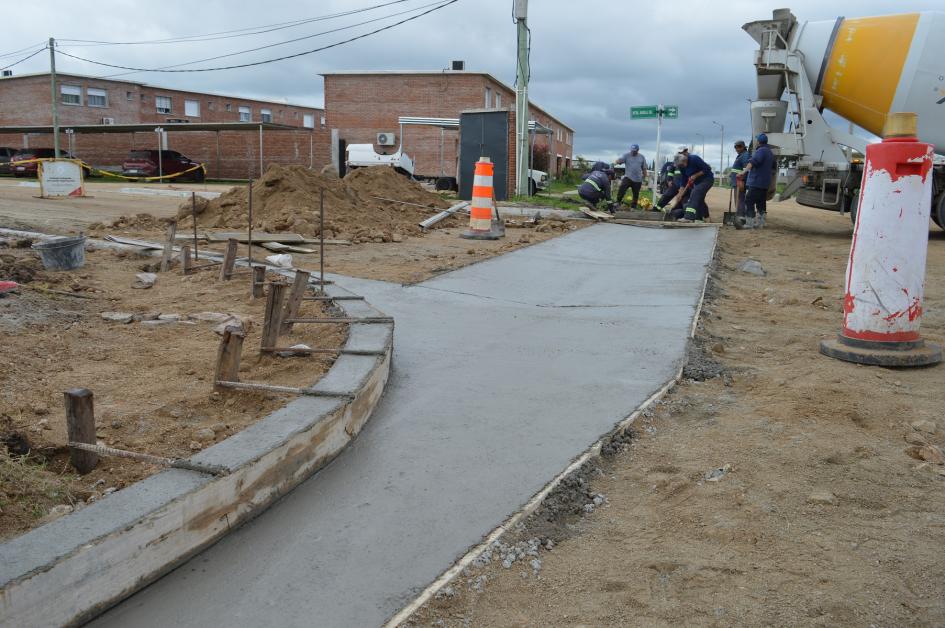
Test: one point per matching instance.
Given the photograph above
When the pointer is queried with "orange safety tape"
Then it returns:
(480, 212)
(482, 191)
(484, 169)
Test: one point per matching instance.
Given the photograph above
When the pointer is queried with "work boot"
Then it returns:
(760, 223)
(750, 222)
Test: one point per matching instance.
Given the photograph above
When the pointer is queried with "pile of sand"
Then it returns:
(286, 199)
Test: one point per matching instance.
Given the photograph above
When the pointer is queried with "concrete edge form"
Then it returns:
(538, 499)
(70, 570)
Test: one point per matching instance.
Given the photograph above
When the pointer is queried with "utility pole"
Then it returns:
(522, 187)
(55, 100)
(721, 144)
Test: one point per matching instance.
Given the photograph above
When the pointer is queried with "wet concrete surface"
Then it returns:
(504, 371)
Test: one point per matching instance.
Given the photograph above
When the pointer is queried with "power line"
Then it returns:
(24, 58)
(21, 50)
(240, 32)
(290, 41)
(283, 58)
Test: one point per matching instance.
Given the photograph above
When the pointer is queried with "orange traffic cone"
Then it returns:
(482, 224)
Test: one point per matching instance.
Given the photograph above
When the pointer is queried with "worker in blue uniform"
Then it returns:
(596, 185)
(758, 174)
(699, 178)
(738, 166)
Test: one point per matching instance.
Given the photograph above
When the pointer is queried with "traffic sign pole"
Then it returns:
(656, 162)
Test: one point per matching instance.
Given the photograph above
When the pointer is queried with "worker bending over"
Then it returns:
(741, 160)
(759, 171)
(633, 176)
(671, 202)
(699, 179)
(596, 186)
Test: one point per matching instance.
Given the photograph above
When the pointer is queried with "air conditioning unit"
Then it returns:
(386, 139)
(7, 73)
(459, 66)
(108, 120)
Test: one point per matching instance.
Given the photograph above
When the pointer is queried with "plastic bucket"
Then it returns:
(62, 253)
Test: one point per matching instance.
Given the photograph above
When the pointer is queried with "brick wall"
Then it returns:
(26, 101)
(360, 106)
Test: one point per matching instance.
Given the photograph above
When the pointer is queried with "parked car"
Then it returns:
(31, 169)
(145, 163)
(6, 156)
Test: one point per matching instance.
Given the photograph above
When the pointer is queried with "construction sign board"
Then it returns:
(61, 177)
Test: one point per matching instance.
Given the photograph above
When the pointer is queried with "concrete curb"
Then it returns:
(535, 502)
(72, 569)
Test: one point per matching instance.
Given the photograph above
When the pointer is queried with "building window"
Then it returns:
(70, 94)
(229, 107)
(96, 97)
(488, 97)
(192, 108)
(162, 104)
(265, 115)
(246, 114)
(498, 100)
(129, 96)
(308, 120)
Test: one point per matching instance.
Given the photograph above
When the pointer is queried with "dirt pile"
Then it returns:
(21, 269)
(286, 199)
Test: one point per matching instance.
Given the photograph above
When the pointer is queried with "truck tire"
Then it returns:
(853, 203)
(938, 210)
(446, 184)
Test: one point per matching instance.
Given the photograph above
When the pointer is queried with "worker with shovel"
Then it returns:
(699, 179)
(738, 166)
(757, 176)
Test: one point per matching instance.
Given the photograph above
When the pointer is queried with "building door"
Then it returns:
(342, 158)
(484, 134)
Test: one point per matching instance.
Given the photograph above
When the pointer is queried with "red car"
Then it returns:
(145, 163)
(31, 169)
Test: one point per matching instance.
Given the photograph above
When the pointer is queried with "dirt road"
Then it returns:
(779, 493)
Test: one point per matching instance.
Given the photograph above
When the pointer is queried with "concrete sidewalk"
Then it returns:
(504, 371)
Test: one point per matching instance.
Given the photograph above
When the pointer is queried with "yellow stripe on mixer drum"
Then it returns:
(865, 67)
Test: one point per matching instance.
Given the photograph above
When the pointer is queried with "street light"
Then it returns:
(721, 144)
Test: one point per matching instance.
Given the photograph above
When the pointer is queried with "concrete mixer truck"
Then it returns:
(862, 69)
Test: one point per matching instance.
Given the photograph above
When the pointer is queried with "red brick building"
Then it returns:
(360, 105)
(84, 100)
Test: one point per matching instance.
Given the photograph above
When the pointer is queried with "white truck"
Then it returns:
(364, 155)
(862, 69)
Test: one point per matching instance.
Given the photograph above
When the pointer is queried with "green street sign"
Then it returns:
(653, 111)
(642, 113)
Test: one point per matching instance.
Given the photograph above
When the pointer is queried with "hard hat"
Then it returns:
(762, 138)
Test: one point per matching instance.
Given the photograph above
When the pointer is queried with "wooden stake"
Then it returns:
(185, 259)
(321, 239)
(299, 287)
(273, 319)
(169, 246)
(228, 357)
(249, 226)
(80, 423)
(229, 260)
(259, 281)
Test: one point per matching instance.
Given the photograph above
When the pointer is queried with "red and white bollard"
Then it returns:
(882, 304)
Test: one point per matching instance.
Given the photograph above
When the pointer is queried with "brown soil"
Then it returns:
(286, 199)
(152, 384)
(821, 514)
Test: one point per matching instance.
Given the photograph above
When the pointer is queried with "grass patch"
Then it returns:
(28, 488)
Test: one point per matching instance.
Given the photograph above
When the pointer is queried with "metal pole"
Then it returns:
(249, 232)
(521, 100)
(260, 150)
(721, 144)
(55, 99)
(321, 238)
(656, 164)
(193, 214)
(160, 132)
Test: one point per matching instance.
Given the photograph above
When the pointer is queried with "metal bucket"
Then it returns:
(62, 253)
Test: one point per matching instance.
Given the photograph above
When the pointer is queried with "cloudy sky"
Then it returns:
(589, 63)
